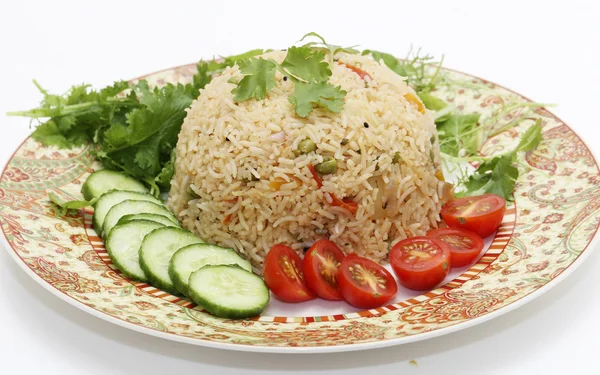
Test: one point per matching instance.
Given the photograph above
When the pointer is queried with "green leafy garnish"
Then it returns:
(331, 48)
(498, 174)
(259, 78)
(134, 132)
(217, 67)
(306, 64)
(77, 116)
(531, 138)
(306, 67)
(458, 134)
(415, 68)
(442, 110)
(432, 102)
(64, 206)
(134, 128)
(325, 95)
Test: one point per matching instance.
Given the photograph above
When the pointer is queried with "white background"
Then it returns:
(546, 50)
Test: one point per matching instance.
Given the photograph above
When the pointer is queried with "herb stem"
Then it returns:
(66, 110)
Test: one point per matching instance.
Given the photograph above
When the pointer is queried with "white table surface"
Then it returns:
(550, 53)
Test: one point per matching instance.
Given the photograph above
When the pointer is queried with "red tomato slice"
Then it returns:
(320, 266)
(364, 283)
(315, 175)
(361, 73)
(420, 263)
(464, 245)
(481, 214)
(346, 203)
(283, 275)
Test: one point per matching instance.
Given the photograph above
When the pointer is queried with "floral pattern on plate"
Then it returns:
(553, 221)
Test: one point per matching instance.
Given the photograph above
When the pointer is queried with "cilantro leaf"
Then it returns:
(459, 132)
(307, 64)
(325, 95)
(496, 176)
(531, 138)
(64, 206)
(163, 179)
(50, 134)
(332, 48)
(214, 66)
(144, 145)
(259, 78)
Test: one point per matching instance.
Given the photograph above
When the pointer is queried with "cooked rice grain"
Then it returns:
(232, 177)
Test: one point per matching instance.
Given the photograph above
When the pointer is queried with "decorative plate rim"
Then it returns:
(585, 252)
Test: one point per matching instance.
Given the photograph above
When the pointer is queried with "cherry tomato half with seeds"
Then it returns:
(321, 264)
(284, 277)
(481, 214)
(364, 283)
(465, 246)
(420, 263)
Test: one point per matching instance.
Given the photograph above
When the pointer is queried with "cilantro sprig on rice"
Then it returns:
(306, 67)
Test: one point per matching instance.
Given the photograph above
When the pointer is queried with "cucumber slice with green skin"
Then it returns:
(193, 257)
(228, 291)
(151, 217)
(129, 207)
(156, 251)
(111, 198)
(104, 180)
(123, 245)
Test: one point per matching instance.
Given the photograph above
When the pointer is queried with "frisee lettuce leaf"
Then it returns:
(498, 174)
(456, 134)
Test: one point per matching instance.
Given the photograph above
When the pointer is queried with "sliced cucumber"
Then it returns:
(156, 251)
(152, 217)
(129, 207)
(193, 257)
(104, 180)
(111, 198)
(228, 291)
(123, 246)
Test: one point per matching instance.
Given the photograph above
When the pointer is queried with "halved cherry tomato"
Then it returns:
(481, 214)
(283, 275)
(320, 266)
(420, 263)
(464, 245)
(364, 283)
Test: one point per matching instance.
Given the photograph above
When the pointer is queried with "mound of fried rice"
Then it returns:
(239, 184)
